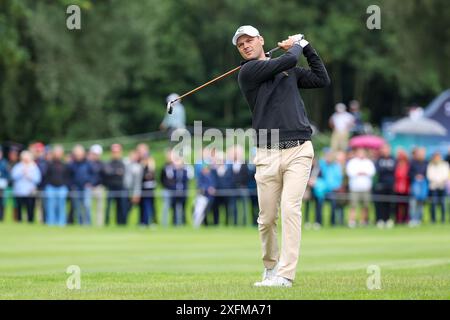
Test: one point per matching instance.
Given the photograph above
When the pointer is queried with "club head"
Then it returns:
(169, 107)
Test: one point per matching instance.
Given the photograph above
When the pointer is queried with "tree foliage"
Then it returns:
(112, 76)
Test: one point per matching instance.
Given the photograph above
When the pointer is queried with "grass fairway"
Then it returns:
(223, 263)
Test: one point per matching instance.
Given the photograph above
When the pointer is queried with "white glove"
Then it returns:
(297, 37)
(303, 43)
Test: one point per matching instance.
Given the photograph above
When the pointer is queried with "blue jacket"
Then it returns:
(330, 178)
(97, 169)
(206, 181)
(82, 173)
(417, 167)
(225, 181)
(332, 174)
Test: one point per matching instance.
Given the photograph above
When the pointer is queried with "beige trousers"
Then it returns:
(281, 177)
(98, 195)
(339, 140)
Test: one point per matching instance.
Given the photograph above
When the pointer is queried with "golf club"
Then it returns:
(226, 74)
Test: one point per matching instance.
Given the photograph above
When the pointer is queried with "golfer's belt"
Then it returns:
(285, 144)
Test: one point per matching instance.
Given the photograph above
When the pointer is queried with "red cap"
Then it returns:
(39, 146)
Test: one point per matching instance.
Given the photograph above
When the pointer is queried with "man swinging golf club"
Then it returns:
(270, 87)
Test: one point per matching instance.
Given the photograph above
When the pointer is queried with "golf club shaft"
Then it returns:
(269, 54)
(208, 83)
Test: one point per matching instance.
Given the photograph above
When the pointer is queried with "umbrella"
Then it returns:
(367, 141)
(421, 126)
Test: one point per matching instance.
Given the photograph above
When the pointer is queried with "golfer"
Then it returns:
(270, 87)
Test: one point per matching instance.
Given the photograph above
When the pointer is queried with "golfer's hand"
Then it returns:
(297, 37)
(294, 39)
(286, 44)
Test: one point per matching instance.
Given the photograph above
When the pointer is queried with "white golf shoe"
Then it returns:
(270, 273)
(276, 281)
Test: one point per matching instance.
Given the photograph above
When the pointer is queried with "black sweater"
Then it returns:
(57, 174)
(271, 89)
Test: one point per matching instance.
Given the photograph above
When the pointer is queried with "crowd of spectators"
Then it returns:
(80, 187)
(86, 187)
(398, 186)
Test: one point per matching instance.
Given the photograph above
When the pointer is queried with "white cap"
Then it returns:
(245, 30)
(96, 149)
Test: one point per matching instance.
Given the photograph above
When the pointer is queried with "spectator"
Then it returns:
(358, 128)
(341, 122)
(437, 175)
(144, 154)
(39, 153)
(326, 178)
(223, 175)
(98, 190)
(133, 180)
(26, 177)
(69, 159)
(180, 192)
(239, 182)
(318, 188)
(148, 211)
(205, 199)
(332, 174)
(56, 188)
(13, 159)
(340, 199)
(114, 172)
(4, 178)
(167, 179)
(176, 120)
(143, 151)
(384, 187)
(402, 186)
(419, 186)
(82, 176)
(360, 171)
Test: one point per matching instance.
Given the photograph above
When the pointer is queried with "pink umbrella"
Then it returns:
(367, 141)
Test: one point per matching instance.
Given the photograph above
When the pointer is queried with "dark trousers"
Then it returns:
(383, 208)
(319, 206)
(208, 212)
(306, 209)
(240, 198)
(222, 201)
(437, 199)
(337, 211)
(70, 217)
(121, 200)
(28, 203)
(147, 207)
